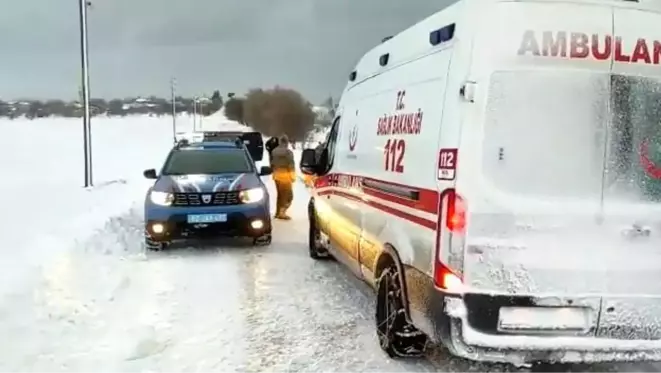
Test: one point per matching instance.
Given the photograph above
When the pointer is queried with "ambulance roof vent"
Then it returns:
(442, 35)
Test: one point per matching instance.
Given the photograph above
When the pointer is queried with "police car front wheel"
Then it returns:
(264, 240)
(152, 244)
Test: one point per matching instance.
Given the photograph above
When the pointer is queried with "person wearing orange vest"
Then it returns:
(284, 176)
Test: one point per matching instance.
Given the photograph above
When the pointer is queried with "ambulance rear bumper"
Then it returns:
(467, 342)
(450, 319)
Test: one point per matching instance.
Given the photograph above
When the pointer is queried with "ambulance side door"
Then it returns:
(343, 223)
(325, 183)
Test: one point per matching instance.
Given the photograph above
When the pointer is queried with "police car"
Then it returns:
(208, 189)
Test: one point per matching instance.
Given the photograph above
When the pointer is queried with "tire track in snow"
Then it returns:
(266, 340)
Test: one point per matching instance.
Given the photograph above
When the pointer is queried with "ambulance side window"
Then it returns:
(331, 142)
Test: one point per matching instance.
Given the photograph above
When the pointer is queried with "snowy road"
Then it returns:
(108, 306)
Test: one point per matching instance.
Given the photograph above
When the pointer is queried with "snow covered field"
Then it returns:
(78, 292)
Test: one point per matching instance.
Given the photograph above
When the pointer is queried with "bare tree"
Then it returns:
(279, 111)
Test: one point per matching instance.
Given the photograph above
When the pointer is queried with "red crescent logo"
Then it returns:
(649, 167)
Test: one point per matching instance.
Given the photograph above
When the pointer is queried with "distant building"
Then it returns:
(140, 103)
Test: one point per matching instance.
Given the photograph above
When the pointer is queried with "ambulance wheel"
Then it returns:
(397, 337)
(316, 248)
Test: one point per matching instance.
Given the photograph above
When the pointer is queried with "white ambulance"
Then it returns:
(494, 172)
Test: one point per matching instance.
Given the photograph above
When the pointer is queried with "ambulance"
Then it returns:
(494, 173)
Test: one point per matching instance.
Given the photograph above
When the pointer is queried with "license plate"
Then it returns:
(207, 218)
(549, 319)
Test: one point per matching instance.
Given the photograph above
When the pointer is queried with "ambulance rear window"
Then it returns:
(575, 134)
(544, 133)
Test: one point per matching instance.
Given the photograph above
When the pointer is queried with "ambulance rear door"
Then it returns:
(631, 307)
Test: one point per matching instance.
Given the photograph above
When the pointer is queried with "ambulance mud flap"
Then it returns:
(426, 306)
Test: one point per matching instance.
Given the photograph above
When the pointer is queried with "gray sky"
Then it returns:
(230, 45)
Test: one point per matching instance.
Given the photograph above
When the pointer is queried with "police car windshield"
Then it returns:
(207, 162)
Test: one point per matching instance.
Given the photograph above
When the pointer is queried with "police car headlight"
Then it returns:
(161, 198)
(252, 195)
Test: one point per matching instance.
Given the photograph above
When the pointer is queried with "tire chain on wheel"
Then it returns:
(408, 341)
(314, 238)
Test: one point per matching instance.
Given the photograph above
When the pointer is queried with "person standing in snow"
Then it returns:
(284, 176)
(271, 144)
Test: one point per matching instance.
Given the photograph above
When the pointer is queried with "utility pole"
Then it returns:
(173, 84)
(201, 106)
(85, 92)
(194, 113)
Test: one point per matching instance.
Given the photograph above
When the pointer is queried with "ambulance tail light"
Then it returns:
(446, 279)
(456, 213)
(448, 266)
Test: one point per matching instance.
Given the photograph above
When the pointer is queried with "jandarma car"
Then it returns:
(208, 189)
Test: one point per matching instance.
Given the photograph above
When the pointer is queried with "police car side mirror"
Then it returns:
(150, 174)
(308, 162)
(265, 171)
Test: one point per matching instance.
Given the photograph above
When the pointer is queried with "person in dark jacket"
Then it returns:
(271, 144)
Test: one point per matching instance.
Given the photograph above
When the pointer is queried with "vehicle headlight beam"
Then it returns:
(252, 195)
(161, 198)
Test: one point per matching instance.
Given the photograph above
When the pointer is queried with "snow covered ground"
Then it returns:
(79, 293)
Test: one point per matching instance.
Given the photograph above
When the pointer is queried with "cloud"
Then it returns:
(308, 44)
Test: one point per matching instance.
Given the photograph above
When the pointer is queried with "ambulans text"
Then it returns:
(580, 45)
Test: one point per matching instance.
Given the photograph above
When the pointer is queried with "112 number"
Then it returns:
(446, 160)
(394, 155)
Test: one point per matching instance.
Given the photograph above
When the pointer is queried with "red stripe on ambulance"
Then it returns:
(426, 201)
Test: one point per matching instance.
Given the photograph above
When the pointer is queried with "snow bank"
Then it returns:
(45, 207)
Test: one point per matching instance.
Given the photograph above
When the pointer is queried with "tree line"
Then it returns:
(274, 112)
(151, 105)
